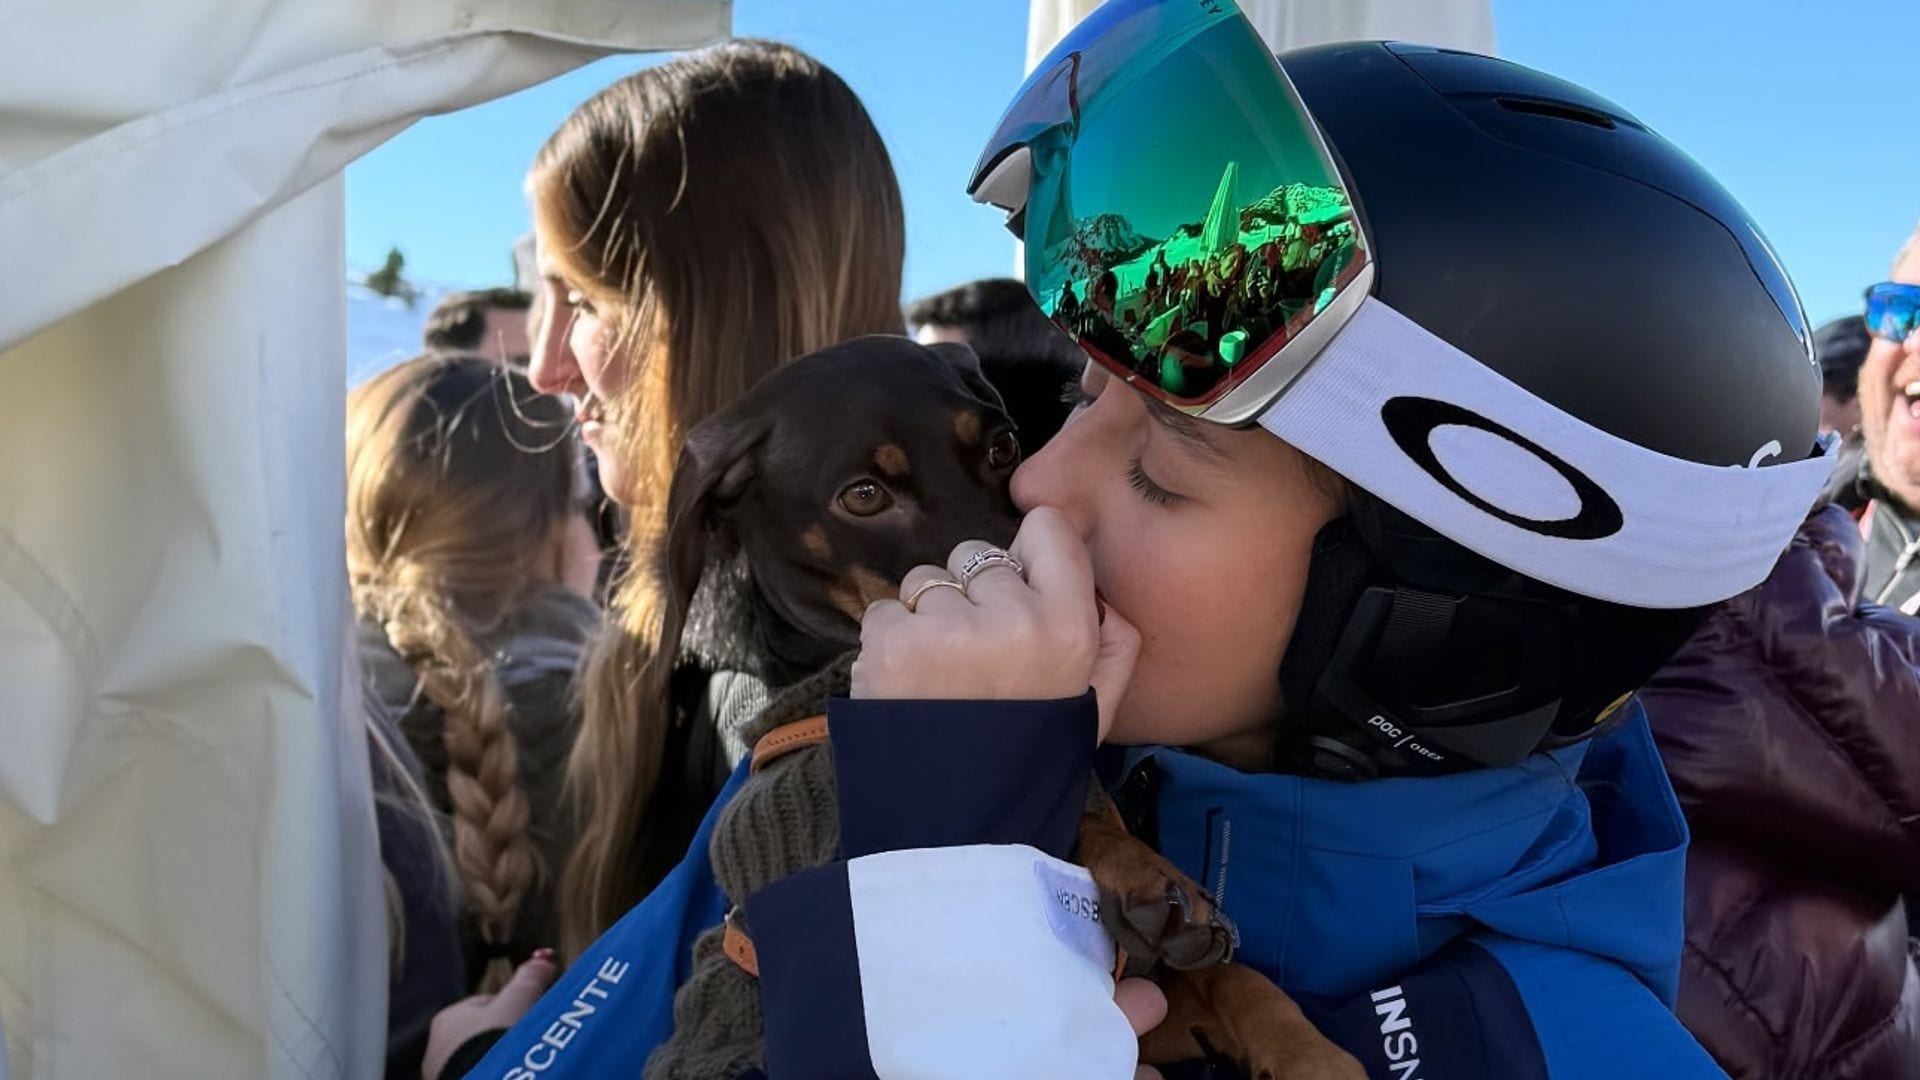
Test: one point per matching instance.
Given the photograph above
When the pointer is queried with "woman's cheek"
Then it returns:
(588, 341)
(1157, 706)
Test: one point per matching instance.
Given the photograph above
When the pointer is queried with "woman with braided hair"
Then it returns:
(470, 564)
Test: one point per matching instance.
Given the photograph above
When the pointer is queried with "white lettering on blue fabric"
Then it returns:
(543, 1055)
(1398, 1041)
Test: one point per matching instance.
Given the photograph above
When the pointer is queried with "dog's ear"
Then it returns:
(719, 459)
(716, 462)
(963, 360)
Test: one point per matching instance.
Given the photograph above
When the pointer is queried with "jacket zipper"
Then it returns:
(1910, 547)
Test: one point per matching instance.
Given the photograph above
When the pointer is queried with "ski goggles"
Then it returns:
(1183, 218)
(1893, 310)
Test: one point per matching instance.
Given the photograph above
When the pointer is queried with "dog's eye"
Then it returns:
(864, 498)
(1004, 451)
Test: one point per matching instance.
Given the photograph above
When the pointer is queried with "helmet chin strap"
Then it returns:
(1383, 675)
(1340, 571)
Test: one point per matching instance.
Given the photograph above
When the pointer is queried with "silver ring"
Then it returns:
(986, 557)
(912, 601)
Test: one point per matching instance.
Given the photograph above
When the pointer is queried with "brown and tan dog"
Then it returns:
(816, 493)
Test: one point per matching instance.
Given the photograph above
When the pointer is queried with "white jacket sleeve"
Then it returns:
(952, 940)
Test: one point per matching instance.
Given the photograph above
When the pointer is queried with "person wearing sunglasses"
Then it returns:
(1889, 391)
(1430, 403)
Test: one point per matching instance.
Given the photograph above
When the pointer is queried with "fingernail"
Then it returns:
(542, 954)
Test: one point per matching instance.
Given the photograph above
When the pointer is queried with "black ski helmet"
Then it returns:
(1565, 377)
(1550, 235)
(1545, 232)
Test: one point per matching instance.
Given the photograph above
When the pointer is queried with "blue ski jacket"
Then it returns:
(1517, 923)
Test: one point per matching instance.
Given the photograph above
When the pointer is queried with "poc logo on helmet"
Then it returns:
(1393, 730)
(1402, 739)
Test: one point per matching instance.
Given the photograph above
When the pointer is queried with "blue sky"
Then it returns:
(1804, 111)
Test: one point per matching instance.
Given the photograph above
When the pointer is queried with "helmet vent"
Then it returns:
(1558, 110)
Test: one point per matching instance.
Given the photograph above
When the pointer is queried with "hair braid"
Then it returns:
(492, 850)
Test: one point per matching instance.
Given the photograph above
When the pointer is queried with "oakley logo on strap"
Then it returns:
(1412, 421)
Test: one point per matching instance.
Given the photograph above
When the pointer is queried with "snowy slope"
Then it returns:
(382, 332)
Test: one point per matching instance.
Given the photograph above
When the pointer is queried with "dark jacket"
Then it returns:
(426, 971)
(1849, 487)
(1891, 574)
(1791, 727)
(721, 683)
(1890, 567)
(539, 653)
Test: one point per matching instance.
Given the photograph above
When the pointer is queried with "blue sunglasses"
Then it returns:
(1893, 310)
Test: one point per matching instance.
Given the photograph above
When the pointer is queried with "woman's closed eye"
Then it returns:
(1138, 479)
(1078, 397)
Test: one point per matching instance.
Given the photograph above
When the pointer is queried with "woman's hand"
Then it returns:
(1002, 637)
(462, 1020)
(1144, 1007)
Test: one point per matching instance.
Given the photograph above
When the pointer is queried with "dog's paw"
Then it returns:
(1154, 912)
(1168, 919)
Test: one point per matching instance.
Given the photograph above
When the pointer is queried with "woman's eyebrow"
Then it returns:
(1192, 433)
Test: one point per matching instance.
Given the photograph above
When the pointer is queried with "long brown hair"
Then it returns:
(459, 486)
(725, 212)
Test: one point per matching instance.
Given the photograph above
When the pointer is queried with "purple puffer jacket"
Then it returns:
(1791, 726)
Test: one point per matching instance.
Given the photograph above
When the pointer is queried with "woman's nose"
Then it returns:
(1038, 476)
(1057, 475)
(553, 368)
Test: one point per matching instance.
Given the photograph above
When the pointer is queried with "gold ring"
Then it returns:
(913, 599)
(986, 557)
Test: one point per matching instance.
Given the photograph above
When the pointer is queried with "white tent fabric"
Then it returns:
(189, 876)
(1291, 24)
